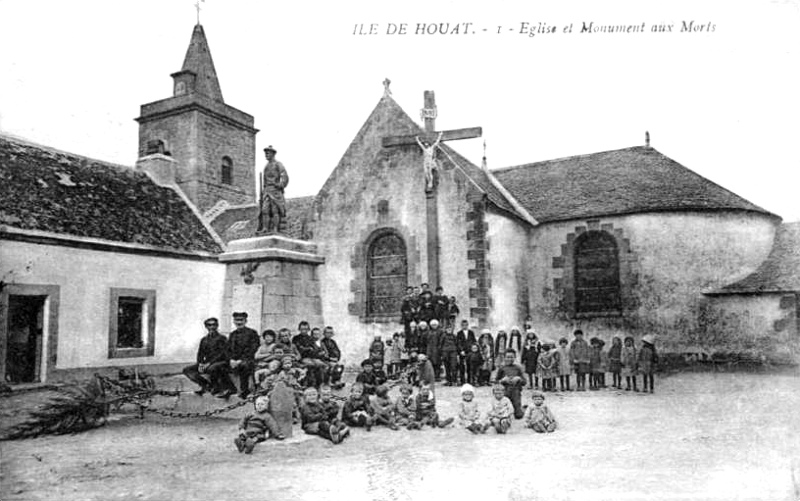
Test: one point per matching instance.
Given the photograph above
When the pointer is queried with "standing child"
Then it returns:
(404, 406)
(357, 410)
(579, 358)
(425, 372)
(487, 353)
(474, 362)
(648, 358)
(452, 312)
(538, 417)
(515, 340)
(395, 351)
(319, 418)
(469, 415)
(564, 367)
(615, 362)
(377, 351)
(500, 347)
(595, 363)
(547, 366)
(255, 427)
(500, 414)
(628, 362)
(530, 359)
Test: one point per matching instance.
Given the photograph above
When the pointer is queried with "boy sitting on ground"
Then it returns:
(405, 407)
(319, 418)
(538, 417)
(502, 410)
(384, 408)
(253, 427)
(426, 414)
(357, 410)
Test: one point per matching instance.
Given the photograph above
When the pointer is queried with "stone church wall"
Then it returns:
(186, 293)
(666, 262)
(508, 255)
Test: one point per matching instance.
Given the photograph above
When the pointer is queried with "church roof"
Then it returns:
(626, 181)
(242, 221)
(52, 191)
(781, 270)
(198, 61)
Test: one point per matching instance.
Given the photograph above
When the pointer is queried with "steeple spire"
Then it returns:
(198, 76)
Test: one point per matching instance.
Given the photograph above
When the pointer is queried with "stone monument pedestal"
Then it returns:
(274, 279)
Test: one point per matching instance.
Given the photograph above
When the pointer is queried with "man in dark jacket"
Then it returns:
(440, 305)
(465, 338)
(309, 355)
(243, 343)
(335, 368)
(448, 351)
(212, 361)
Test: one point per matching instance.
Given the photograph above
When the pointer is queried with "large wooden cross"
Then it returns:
(430, 137)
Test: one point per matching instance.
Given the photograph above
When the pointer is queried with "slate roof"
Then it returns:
(626, 181)
(781, 270)
(241, 221)
(53, 191)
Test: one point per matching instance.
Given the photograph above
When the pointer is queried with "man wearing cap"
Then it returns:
(243, 343)
(212, 361)
(273, 181)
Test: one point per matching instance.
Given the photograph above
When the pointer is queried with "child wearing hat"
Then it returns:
(648, 358)
(469, 414)
(628, 363)
(538, 416)
(425, 373)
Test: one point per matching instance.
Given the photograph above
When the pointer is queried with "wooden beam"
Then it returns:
(447, 135)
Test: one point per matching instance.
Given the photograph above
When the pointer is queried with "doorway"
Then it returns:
(25, 339)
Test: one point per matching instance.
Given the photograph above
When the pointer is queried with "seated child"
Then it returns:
(405, 408)
(469, 415)
(384, 408)
(253, 427)
(369, 377)
(357, 410)
(320, 417)
(538, 417)
(425, 403)
(500, 414)
(268, 360)
(512, 378)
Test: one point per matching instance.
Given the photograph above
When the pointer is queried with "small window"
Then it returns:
(132, 323)
(154, 146)
(227, 170)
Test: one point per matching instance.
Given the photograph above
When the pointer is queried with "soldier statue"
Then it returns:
(273, 206)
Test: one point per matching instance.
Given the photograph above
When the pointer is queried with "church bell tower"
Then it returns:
(212, 143)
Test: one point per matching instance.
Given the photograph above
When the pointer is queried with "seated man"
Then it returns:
(309, 355)
(211, 370)
(335, 368)
(243, 343)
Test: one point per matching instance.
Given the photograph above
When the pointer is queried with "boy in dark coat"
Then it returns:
(334, 374)
(465, 338)
(369, 377)
(474, 362)
(579, 357)
(321, 417)
(448, 351)
(425, 405)
(648, 358)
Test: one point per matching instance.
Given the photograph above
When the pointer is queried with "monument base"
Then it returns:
(274, 279)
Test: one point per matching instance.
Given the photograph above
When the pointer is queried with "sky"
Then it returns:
(722, 98)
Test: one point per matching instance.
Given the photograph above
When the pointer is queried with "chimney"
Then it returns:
(160, 168)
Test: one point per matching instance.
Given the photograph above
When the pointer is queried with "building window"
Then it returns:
(227, 170)
(387, 274)
(132, 323)
(597, 285)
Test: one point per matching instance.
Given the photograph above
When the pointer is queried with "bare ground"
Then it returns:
(700, 436)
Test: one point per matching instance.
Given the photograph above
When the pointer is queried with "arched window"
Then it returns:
(387, 274)
(596, 274)
(227, 170)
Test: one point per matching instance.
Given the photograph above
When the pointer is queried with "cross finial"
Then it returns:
(647, 138)
(197, 7)
(484, 164)
(386, 91)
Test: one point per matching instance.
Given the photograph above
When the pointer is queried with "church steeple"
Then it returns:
(198, 76)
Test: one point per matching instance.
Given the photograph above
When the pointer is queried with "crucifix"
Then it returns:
(429, 142)
(197, 6)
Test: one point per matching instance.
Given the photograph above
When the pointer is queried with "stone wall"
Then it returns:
(508, 256)
(667, 261)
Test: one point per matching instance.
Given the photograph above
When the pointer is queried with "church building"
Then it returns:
(103, 265)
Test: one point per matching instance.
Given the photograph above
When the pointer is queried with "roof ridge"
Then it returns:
(29, 142)
(571, 157)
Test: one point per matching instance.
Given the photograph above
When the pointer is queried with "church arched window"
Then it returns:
(387, 274)
(227, 170)
(597, 285)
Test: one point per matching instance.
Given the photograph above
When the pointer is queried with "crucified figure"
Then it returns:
(429, 163)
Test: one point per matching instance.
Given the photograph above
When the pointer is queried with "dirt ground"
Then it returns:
(701, 436)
